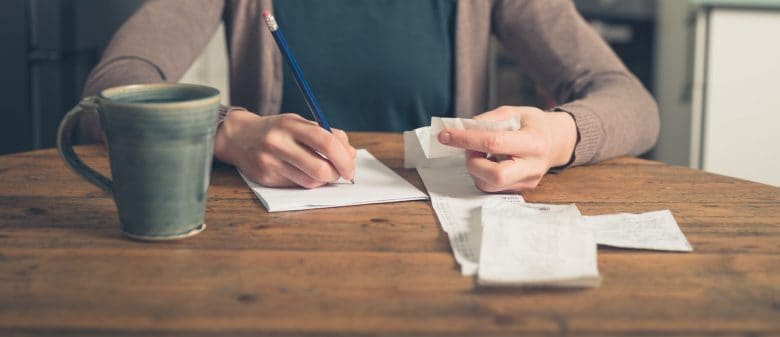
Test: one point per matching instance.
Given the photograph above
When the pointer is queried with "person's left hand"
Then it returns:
(544, 140)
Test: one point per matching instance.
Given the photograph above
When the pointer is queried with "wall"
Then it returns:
(673, 74)
(15, 129)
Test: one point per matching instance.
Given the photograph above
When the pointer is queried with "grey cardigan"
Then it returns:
(614, 113)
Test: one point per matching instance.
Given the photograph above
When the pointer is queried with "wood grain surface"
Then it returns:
(374, 270)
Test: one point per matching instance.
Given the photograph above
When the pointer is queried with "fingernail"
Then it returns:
(444, 137)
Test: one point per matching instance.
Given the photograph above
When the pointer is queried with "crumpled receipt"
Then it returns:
(536, 245)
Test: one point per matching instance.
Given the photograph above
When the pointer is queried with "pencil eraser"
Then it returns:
(266, 13)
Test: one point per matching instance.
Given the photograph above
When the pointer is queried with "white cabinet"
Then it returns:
(735, 124)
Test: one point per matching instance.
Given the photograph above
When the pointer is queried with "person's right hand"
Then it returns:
(284, 150)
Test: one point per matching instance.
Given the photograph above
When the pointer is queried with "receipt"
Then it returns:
(458, 205)
(652, 230)
(454, 198)
(414, 155)
(536, 246)
(533, 208)
(416, 143)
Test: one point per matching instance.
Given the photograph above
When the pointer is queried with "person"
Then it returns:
(390, 66)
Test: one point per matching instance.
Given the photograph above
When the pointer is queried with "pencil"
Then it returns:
(300, 81)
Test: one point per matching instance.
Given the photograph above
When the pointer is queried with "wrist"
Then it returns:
(564, 139)
(225, 142)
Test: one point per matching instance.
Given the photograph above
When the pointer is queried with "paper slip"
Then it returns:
(533, 209)
(457, 203)
(422, 147)
(415, 144)
(374, 183)
(652, 230)
(536, 247)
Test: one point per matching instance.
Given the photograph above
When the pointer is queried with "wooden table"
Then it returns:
(385, 270)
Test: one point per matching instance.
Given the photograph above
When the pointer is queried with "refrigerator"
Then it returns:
(49, 48)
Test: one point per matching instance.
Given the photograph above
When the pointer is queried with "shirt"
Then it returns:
(380, 65)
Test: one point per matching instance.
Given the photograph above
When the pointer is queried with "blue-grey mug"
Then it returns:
(160, 140)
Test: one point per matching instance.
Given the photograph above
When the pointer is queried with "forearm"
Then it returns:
(614, 113)
(121, 72)
(229, 131)
(564, 141)
(615, 117)
(156, 44)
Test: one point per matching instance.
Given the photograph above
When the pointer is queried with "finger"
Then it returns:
(504, 174)
(342, 136)
(270, 171)
(264, 175)
(298, 177)
(523, 186)
(309, 162)
(519, 187)
(485, 186)
(498, 114)
(326, 143)
(518, 143)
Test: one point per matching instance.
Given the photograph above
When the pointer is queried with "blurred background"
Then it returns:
(712, 65)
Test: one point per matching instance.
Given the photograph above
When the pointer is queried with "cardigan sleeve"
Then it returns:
(157, 43)
(615, 115)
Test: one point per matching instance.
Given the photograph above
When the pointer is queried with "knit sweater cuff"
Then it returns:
(590, 134)
(224, 110)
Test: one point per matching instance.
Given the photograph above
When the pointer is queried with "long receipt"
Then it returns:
(454, 198)
(458, 205)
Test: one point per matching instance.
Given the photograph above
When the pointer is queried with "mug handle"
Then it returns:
(65, 144)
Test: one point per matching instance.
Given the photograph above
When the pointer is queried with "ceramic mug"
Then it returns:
(160, 140)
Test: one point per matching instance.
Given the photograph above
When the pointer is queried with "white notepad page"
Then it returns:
(374, 183)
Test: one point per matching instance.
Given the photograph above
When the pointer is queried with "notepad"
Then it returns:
(374, 183)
